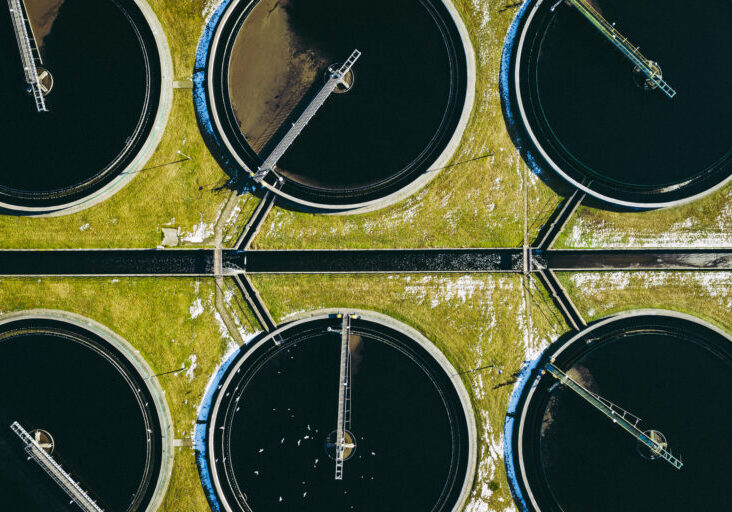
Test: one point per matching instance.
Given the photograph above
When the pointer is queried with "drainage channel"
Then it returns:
(188, 262)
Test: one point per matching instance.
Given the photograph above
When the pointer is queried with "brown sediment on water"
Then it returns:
(264, 95)
(42, 14)
(583, 376)
(548, 418)
(580, 374)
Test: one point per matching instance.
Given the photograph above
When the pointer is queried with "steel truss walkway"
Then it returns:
(55, 471)
(619, 416)
(297, 127)
(344, 399)
(646, 66)
(29, 54)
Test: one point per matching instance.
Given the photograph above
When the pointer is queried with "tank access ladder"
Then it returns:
(619, 416)
(297, 127)
(649, 68)
(55, 471)
(29, 55)
(344, 398)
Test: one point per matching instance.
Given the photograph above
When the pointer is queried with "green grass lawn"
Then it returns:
(476, 320)
(707, 295)
(706, 222)
(169, 321)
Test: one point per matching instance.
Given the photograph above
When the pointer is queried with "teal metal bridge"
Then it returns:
(29, 54)
(619, 416)
(647, 67)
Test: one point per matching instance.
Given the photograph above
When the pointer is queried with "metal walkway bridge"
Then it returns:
(344, 399)
(55, 471)
(297, 127)
(646, 66)
(29, 54)
(619, 416)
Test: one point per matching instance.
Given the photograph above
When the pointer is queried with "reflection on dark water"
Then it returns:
(403, 99)
(678, 383)
(58, 383)
(42, 14)
(97, 100)
(589, 111)
(280, 419)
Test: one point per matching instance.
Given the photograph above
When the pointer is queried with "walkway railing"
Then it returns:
(55, 471)
(618, 415)
(344, 397)
(29, 54)
(649, 68)
(307, 114)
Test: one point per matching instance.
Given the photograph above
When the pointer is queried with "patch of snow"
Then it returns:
(294, 313)
(462, 289)
(201, 232)
(223, 331)
(208, 9)
(688, 233)
(192, 365)
(231, 221)
(196, 309)
(715, 286)
(592, 280)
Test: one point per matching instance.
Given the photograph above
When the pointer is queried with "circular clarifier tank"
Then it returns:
(394, 120)
(580, 109)
(409, 437)
(100, 75)
(667, 375)
(87, 406)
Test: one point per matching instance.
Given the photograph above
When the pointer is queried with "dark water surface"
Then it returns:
(113, 262)
(590, 115)
(678, 378)
(404, 106)
(105, 84)
(53, 377)
(410, 451)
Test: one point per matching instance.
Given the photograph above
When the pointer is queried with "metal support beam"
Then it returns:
(299, 125)
(561, 299)
(29, 54)
(344, 399)
(255, 222)
(559, 219)
(649, 68)
(55, 471)
(619, 416)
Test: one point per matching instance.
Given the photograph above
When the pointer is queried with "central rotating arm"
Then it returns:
(649, 68)
(620, 417)
(344, 399)
(30, 57)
